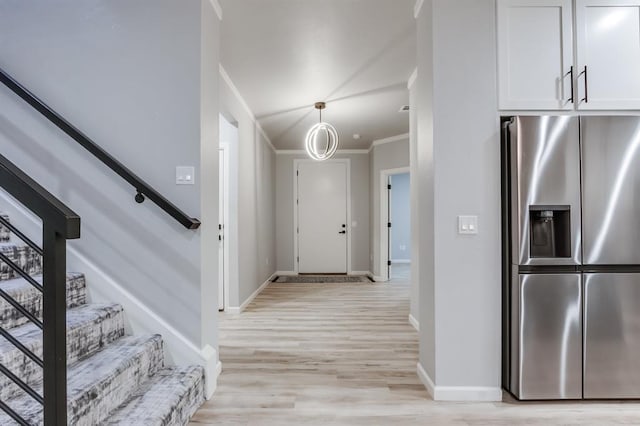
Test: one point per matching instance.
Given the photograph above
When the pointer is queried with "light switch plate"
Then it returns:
(185, 175)
(468, 225)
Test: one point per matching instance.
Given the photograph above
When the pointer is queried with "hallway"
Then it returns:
(344, 354)
(319, 354)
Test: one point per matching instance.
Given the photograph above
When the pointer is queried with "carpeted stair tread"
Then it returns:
(31, 298)
(23, 256)
(5, 234)
(170, 397)
(99, 384)
(89, 328)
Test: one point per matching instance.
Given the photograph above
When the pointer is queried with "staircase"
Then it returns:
(112, 378)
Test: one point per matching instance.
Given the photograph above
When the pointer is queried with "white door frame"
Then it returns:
(296, 162)
(224, 150)
(384, 217)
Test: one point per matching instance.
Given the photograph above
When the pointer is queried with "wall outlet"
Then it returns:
(185, 175)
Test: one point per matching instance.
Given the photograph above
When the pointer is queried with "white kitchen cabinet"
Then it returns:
(608, 48)
(535, 54)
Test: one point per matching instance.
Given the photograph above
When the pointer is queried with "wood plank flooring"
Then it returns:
(344, 354)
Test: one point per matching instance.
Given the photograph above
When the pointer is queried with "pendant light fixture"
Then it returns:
(317, 149)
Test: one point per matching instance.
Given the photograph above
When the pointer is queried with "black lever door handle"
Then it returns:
(342, 232)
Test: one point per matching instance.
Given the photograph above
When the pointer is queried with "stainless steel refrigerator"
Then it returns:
(571, 257)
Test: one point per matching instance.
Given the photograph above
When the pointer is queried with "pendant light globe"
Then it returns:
(316, 148)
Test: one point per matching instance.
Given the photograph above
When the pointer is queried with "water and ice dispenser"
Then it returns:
(550, 231)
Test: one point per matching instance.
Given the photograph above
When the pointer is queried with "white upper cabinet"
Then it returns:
(535, 54)
(608, 48)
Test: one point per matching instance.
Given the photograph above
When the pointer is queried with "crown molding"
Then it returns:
(264, 135)
(290, 151)
(412, 78)
(236, 92)
(217, 8)
(352, 151)
(389, 140)
(417, 8)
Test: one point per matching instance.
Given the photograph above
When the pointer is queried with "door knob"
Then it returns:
(342, 232)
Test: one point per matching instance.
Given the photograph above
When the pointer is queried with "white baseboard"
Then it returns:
(468, 394)
(367, 273)
(405, 261)
(377, 278)
(218, 373)
(235, 310)
(212, 385)
(178, 349)
(414, 322)
(426, 381)
(286, 273)
(459, 393)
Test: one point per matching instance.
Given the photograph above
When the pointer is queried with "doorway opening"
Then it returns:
(395, 232)
(227, 223)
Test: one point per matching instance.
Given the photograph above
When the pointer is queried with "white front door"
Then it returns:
(221, 224)
(322, 217)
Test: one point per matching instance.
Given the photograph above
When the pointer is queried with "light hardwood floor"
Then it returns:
(344, 354)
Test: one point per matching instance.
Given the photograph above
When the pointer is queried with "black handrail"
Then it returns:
(142, 188)
(59, 223)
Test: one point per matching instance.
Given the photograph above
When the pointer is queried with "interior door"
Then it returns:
(221, 222)
(322, 217)
(389, 225)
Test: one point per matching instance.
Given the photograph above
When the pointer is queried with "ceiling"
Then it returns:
(357, 55)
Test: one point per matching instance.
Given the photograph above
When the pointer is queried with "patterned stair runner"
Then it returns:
(112, 379)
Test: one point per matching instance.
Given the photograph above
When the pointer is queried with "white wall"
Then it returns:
(135, 77)
(390, 155)
(460, 350)
(359, 210)
(254, 248)
(423, 91)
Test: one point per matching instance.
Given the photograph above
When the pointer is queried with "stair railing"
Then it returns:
(59, 223)
(142, 188)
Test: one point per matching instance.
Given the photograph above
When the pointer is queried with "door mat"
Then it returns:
(304, 279)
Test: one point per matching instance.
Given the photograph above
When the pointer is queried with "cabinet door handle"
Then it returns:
(586, 85)
(570, 74)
